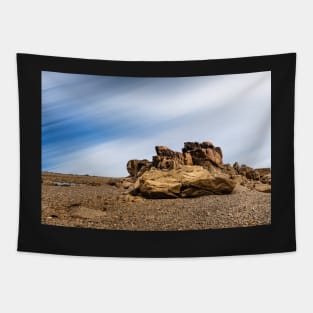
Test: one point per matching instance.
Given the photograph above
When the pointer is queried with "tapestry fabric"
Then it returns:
(155, 158)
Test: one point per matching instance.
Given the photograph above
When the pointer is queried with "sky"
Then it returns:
(94, 124)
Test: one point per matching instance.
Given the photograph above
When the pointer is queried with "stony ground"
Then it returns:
(104, 203)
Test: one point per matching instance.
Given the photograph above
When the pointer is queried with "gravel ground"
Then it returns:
(104, 203)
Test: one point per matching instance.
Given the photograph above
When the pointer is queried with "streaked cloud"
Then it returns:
(95, 124)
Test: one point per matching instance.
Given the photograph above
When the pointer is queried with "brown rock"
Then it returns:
(237, 178)
(263, 187)
(244, 169)
(206, 144)
(193, 153)
(219, 151)
(187, 181)
(228, 169)
(138, 167)
(187, 158)
(126, 184)
(264, 171)
(236, 166)
(164, 151)
(189, 146)
(203, 153)
(131, 198)
(169, 159)
(266, 179)
(164, 162)
(253, 174)
(240, 189)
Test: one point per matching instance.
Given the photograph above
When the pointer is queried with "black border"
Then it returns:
(277, 237)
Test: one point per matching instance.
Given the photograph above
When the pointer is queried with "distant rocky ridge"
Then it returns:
(197, 170)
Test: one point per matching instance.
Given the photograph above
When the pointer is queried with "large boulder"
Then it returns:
(186, 181)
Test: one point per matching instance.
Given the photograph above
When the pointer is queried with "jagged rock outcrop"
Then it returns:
(249, 172)
(229, 170)
(154, 180)
(167, 158)
(204, 154)
(136, 168)
(186, 181)
(262, 175)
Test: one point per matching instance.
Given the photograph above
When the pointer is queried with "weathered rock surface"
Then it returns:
(138, 167)
(263, 187)
(240, 189)
(194, 155)
(228, 169)
(266, 179)
(204, 154)
(249, 172)
(167, 158)
(187, 181)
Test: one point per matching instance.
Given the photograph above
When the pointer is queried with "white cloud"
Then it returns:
(233, 111)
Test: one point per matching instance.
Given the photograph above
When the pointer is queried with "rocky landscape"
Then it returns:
(191, 189)
(196, 171)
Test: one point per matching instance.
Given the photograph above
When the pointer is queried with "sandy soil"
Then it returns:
(105, 203)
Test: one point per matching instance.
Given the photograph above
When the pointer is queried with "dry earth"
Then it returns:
(104, 203)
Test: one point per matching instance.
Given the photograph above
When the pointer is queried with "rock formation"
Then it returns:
(204, 154)
(186, 181)
(167, 158)
(197, 170)
(136, 168)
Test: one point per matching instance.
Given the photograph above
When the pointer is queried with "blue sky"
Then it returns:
(94, 124)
